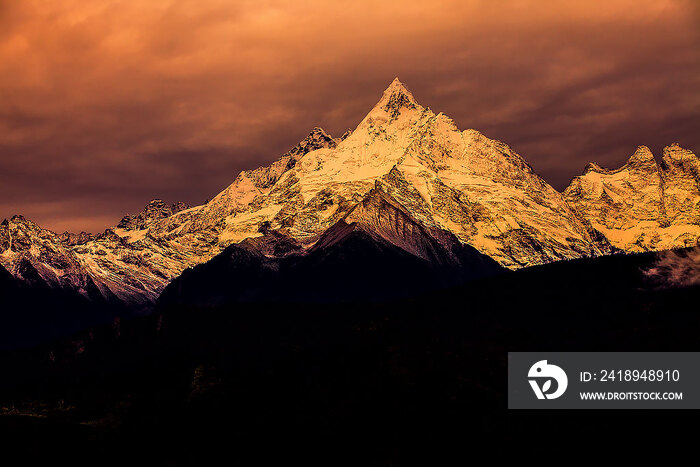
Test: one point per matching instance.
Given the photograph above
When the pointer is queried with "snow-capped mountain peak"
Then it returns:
(408, 177)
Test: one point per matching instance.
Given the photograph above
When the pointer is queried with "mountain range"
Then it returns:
(406, 183)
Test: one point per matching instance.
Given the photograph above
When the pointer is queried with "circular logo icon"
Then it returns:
(541, 376)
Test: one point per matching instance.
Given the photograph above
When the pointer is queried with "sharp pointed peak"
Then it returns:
(316, 139)
(642, 156)
(395, 99)
(593, 167)
(398, 88)
(643, 151)
(318, 131)
(396, 84)
(642, 159)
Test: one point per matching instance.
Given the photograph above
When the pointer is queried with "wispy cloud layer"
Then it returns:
(676, 268)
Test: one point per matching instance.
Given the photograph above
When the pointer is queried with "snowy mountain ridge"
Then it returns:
(453, 184)
(642, 205)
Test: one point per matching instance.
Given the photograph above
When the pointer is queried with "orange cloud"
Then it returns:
(106, 104)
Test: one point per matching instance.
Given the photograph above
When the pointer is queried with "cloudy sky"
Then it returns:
(106, 104)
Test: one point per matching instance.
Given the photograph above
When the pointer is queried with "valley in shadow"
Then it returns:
(373, 382)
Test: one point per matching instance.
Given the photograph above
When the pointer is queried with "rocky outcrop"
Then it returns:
(642, 205)
(681, 173)
(154, 211)
(73, 239)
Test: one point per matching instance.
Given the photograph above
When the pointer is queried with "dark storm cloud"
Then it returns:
(107, 104)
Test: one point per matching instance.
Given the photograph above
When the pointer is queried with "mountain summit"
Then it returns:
(406, 178)
(395, 98)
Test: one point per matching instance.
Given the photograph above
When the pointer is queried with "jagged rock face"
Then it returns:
(154, 211)
(384, 219)
(128, 267)
(72, 239)
(248, 186)
(642, 206)
(139, 257)
(681, 170)
(37, 256)
(376, 252)
(135, 266)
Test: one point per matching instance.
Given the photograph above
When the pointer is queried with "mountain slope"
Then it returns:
(37, 257)
(462, 182)
(453, 186)
(33, 310)
(139, 257)
(376, 252)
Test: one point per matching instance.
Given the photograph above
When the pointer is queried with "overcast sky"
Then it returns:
(105, 105)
